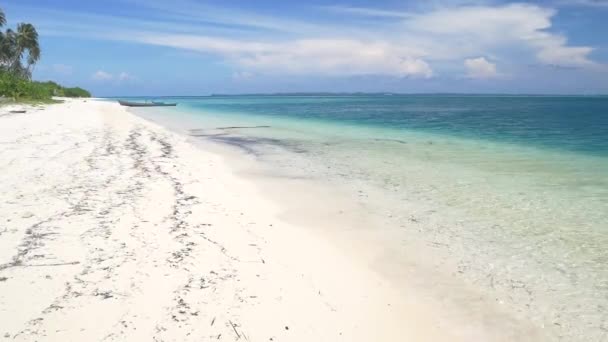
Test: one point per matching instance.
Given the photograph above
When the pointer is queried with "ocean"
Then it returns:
(497, 203)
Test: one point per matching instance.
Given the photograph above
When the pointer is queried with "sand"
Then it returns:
(114, 228)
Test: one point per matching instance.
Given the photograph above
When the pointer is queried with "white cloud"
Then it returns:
(325, 56)
(480, 68)
(488, 22)
(101, 75)
(552, 50)
(446, 34)
(484, 28)
(335, 58)
(411, 44)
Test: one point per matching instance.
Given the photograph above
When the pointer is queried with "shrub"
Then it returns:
(18, 88)
(75, 92)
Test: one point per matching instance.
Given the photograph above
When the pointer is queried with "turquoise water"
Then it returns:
(510, 192)
(572, 123)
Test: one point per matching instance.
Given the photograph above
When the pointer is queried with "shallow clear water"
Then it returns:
(513, 190)
(569, 123)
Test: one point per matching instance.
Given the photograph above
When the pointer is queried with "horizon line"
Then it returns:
(357, 94)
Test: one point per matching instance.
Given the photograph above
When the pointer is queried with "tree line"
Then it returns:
(19, 53)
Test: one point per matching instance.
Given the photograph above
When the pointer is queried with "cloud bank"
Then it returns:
(333, 57)
(419, 41)
(406, 45)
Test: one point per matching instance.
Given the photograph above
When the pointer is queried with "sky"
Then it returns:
(198, 47)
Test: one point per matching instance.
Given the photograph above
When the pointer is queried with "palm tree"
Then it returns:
(3, 42)
(7, 48)
(26, 39)
(15, 45)
(32, 58)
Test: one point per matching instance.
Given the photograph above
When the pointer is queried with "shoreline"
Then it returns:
(335, 214)
(519, 227)
(119, 229)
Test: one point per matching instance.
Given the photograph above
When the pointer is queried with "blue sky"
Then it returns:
(195, 47)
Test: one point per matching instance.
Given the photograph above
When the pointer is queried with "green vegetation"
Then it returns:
(19, 53)
(20, 89)
(75, 92)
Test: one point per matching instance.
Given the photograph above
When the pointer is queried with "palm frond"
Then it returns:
(2, 18)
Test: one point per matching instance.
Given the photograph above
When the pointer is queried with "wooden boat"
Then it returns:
(146, 104)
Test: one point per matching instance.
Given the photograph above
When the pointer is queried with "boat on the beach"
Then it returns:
(146, 104)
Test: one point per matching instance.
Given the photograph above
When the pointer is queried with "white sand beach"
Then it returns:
(114, 228)
(293, 171)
